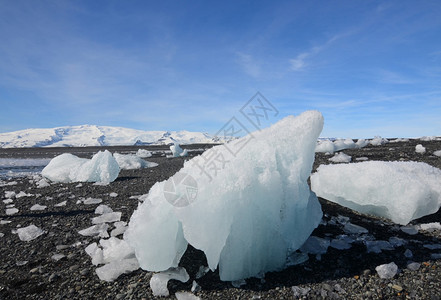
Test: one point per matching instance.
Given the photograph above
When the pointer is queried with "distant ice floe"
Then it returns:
(66, 167)
(399, 191)
(340, 158)
(143, 153)
(248, 216)
(130, 162)
(437, 153)
(420, 149)
(177, 151)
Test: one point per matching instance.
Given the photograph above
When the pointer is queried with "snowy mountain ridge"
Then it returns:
(92, 135)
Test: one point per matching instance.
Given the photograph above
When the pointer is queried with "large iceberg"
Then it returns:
(69, 168)
(399, 191)
(247, 214)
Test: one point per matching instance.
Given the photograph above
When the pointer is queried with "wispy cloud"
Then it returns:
(300, 62)
(249, 64)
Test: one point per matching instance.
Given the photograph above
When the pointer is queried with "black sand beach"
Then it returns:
(27, 270)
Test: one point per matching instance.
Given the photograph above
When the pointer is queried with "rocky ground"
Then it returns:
(29, 270)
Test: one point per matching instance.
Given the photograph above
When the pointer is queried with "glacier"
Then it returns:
(69, 168)
(92, 135)
(399, 191)
(249, 216)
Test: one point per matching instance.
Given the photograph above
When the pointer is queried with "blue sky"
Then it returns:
(371, 67)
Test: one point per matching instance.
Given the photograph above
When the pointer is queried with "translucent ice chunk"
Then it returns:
(29, 233)
(399, 191)
(69, 168)
(249, 214)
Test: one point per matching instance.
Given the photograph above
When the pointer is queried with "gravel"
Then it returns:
(55, 265)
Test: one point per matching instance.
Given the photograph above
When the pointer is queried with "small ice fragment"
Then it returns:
(238, 283)
(79, 185)
(413, 266)
(115, 249)
(340, 244)
(21, 263)
(420, 149)
(95, 253)
(22, 194)
(3, 222)
(113, 195)
(29, 233)
(9, 194)
(8, 201)
(354, 229)
(107, 218)
(89, 201)
(202, 271)
(437, 153)
(42, 183)
(38, 207)
(57, 256)
(408, 253)
(159, 281)
(430, 226)
(120, 228)
(94, 230)
(195, 287)
(103, 209)
(297, 258)
(11, 211)
(300, 291)
(340, 158)
(63, 203)
(315, 245)
(186, 296)
(2, 234)
(387, 271)
(112, 270)
(411, 230)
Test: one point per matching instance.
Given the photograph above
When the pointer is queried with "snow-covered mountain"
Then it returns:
(91, 135)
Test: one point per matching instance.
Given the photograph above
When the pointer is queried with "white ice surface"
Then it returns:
(94, 230)
(131, 162)
(437, 153)
(248, 216)
(69, 168)
(107, 218)
(38, 207)
(399, 191)
(114, 269)
(29, 233)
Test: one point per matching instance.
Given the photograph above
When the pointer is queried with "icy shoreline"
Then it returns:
(55, 264)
